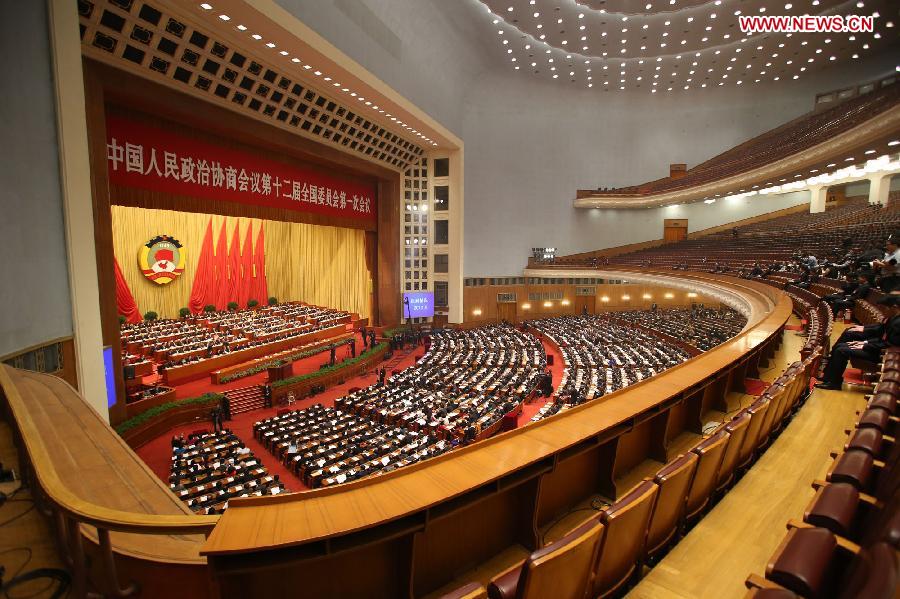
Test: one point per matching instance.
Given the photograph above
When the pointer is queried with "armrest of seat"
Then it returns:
(755, 581)
(505, 585)
(849, 548)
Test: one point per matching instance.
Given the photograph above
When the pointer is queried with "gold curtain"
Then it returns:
(320, 265)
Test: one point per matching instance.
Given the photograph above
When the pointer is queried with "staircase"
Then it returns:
(245, 399)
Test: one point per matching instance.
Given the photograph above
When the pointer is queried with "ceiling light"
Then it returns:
(256, 36)
(270, 44)
(242, 28)
(205, 6)
(225, 17)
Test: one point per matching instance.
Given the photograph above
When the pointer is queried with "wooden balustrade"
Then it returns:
(401, 534)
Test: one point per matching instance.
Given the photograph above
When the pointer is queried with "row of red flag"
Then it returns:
(230, 274)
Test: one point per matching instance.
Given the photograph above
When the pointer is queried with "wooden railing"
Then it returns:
(412, 531)
(83, 525)
(402, 534)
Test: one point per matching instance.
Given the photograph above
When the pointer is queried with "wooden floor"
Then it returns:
(90, 461)
(27, 541)
(740, 534)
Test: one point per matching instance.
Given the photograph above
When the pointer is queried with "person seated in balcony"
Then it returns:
(856, 288)
(888, 267)
(863, 343)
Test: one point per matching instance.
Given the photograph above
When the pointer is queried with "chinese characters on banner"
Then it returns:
(154, 159)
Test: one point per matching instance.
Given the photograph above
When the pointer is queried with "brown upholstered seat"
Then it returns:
(867, 439)
(874, 574)
(854, 467)
(674, 480)
(561, 569)
(876, 418)
(623, 544)
(710, 451)
(802, 562)
(834, 507)
(884, 400)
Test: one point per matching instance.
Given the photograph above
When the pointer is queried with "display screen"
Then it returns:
(110, 377)
(418, 304)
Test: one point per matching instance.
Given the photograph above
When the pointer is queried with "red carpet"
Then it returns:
(530, 409)
(755, 386)
(854, 376)
(793, 327)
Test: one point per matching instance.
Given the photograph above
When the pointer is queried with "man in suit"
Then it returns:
(865, 343)
(853, 291)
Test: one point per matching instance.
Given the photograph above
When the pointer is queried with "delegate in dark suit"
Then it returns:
(865, 343)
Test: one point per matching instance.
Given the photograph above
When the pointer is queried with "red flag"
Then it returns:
(234, 267)
(221, 270)
(203, 292)
(260, 287)
(246, 267)
(124, 300)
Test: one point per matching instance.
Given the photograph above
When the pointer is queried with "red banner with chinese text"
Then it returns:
(154, 159)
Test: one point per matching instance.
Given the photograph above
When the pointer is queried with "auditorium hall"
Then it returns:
(450, 299)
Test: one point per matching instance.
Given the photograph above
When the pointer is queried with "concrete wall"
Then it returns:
(34, 291)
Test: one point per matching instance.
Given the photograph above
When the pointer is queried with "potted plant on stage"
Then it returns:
(209, 308)
(232, 306)
(184, 312)
(151, 315)
(273, 301)
(252, 304)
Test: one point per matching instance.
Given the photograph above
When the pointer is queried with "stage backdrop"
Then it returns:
(311, 263)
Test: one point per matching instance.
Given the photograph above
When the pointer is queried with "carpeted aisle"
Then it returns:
(530, 409)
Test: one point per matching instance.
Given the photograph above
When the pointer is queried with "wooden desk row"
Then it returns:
(200, 369)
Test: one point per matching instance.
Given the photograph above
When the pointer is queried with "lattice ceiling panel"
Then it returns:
(141, 37)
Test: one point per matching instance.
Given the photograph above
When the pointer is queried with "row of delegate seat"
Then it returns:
(848, 543)
(775, 144)
(208, 469)
(605, 554)
(773, 240)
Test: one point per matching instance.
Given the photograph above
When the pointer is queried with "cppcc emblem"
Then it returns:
(161, 259)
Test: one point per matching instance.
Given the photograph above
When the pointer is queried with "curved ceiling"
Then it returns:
(670, 45)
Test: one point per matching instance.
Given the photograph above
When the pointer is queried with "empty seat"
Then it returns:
(757, 412)
(674, 480)
(710, 452)
(834, 507)
(867, 439)
(561, 569)
(623, 544)
(737, 430)
(803, 561)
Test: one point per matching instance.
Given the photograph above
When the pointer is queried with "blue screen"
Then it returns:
(110, 377)
(421, 304)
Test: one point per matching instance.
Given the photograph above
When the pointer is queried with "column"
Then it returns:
(879, 189)
(817, 196)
